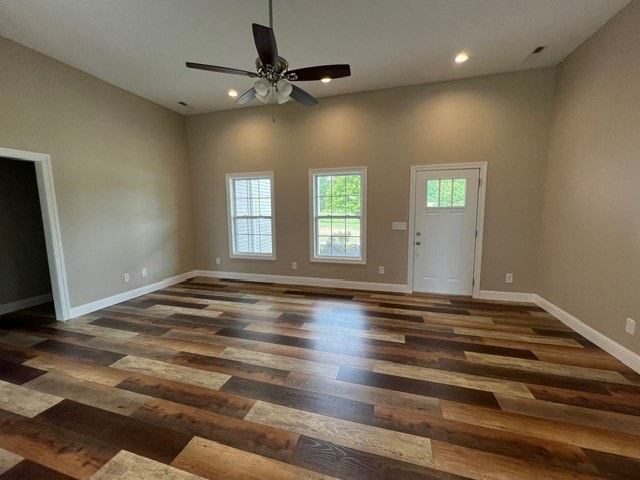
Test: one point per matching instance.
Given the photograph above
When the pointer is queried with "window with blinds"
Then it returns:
(251, 219)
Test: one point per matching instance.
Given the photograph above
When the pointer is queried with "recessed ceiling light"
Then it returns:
(325, 80)
(233, 93)
(461, 57)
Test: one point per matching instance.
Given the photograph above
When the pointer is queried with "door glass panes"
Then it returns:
(446, 193)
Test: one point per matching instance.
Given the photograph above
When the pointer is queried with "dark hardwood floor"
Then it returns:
(235, 380)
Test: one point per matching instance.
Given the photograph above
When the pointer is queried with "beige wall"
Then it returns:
(119, 166)
(500, 119)
(590, 242)
(24, 272)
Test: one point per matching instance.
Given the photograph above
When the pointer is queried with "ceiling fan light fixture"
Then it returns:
(325, 79)
(284, 87)
(262, 87)
(232, 92)
(461, 57)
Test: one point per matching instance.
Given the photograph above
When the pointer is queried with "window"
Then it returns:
(338, 215)
(251, 220)
(446, 193)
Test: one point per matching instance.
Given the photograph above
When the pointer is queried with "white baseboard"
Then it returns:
(26, 303)
(124, 296)
(623, 354)
(506, 296)
(306, 281)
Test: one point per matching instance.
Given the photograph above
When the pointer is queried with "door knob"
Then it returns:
(417, 243)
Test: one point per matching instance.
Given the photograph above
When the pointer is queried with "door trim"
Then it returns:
(51, 224)
(482, 166)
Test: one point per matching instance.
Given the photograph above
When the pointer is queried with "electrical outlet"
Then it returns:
(509, 278)
(126, 277)
(217, 260)
(381, 270)
(144, 272)
(294, 265)
(630, 327)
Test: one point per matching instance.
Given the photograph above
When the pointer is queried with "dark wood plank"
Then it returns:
(57, 448)
(267, 337)
(230, 367)
(18, 374)
(438, 344)
(78, 352)
(27, 469)
(190, 395)
(348, 463)
(419, 387)
(308, 401)
(129, 326)
(126, 433)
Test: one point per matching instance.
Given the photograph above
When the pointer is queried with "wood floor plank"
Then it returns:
(56, 448)
(616, 422)
(23, 401)
(171, 372)
(28, 470)
(518, 445)
(475, 382)
(399, 446)
(252, 437)
(8, 460)
(151, 441)
(17, 373)
(618, 443)
(365, 393)
(214, 460)
(277, 361)
(189, 395)
(480, 465)
(71, 367)
(131, 466)
(548, 368)
(17, 338)
(89, 393)
(419, 387)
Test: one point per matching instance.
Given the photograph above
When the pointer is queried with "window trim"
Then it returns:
(363, 216)
(229, 177)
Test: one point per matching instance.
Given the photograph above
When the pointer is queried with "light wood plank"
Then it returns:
(284, 363)
(178, 373)
(8, 460)
(127, 465)
(396, 445)
(548, 368)
(24, 401)
(505, 387)
(89, 393)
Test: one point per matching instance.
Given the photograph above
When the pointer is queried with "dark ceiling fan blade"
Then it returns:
(215, 68)
(247, 96)
(320, 72)
(299, 95)
(265, 44)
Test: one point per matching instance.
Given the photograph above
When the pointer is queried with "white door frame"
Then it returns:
(482, 166)
(51, 224)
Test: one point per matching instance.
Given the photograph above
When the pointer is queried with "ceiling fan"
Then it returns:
(273, 74)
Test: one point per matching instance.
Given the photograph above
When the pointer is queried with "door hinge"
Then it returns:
(476, 233)
(473, 282)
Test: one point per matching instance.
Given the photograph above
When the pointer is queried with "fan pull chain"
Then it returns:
(271, 14)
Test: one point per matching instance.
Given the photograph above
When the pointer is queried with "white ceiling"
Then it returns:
(141, 45)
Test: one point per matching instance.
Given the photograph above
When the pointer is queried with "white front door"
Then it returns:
(446, 207)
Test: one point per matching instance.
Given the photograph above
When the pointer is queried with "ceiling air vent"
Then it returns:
(535, 53)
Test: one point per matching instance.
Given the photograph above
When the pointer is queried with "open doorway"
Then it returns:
(50, 223)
